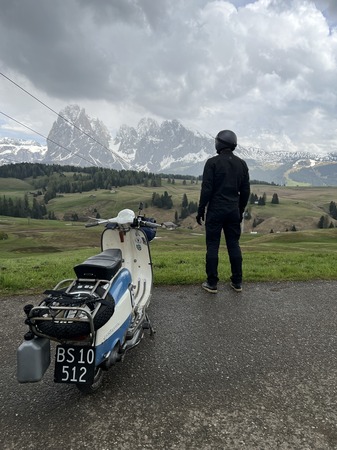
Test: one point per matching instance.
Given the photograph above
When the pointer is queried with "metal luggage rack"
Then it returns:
(80, 289)
(96, 283)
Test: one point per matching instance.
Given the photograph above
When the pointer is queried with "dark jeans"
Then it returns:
(229, 222)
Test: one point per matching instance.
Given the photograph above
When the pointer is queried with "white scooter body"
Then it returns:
(96, 317)
(131, 287)
(135, 257)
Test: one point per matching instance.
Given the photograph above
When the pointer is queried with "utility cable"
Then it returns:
(48, 139)
(64, 118)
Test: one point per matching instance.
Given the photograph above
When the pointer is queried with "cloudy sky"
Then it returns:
(266, 69)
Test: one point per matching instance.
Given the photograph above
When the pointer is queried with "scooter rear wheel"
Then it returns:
(91, 388)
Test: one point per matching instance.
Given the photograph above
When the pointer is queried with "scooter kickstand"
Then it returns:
(147, 326)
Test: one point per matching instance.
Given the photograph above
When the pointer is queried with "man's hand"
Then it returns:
(199, 218)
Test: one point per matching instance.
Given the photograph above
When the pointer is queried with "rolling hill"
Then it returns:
(299, 207)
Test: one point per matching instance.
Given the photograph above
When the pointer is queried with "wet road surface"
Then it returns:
(256, 370)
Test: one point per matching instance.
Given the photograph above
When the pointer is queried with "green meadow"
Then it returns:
(36, 254)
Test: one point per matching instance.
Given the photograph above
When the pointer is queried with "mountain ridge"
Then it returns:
(168, 147)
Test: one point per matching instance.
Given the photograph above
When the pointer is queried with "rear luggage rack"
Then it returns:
(72, 311)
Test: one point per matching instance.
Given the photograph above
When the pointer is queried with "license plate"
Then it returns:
(74, 364)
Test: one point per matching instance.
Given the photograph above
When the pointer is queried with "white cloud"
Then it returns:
(263, 68)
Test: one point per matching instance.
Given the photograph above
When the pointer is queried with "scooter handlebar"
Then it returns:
(92, 224)
(144, 223)
(136, 223)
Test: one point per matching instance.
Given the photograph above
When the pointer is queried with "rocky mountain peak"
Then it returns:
(147, 127)
(169, 147)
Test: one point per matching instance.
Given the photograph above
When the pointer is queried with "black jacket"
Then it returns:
(225, 183)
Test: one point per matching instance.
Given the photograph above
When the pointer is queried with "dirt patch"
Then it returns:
(46, 249)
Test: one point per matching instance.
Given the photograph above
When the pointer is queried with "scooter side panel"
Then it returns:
(136, 258)
(120, 285)
(115, 329)
(106, 346)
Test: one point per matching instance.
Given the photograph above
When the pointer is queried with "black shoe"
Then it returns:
(209, 288)
(236, 286)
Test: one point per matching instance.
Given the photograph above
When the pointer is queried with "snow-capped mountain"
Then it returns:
(169, 147)
(76, 139)
(18, 150)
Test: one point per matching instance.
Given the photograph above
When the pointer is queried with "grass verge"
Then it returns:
(178, 257)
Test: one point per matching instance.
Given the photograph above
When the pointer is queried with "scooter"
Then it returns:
(99, 315)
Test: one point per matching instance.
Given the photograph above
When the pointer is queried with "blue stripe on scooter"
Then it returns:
(109, 344)
(120, 285)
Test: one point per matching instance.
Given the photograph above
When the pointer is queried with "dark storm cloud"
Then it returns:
(329, 9)
(52, 47)
(250, 65)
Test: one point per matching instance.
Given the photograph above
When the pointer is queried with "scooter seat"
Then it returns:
(102, 266)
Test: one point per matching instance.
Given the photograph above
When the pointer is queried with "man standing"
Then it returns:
(225, 192)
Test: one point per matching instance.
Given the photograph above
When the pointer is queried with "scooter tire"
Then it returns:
(91, 388)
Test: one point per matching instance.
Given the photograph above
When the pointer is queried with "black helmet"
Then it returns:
(225, 139)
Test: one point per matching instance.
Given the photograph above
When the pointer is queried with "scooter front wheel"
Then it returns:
(96, 384)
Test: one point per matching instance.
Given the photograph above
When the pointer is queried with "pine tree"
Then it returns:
(253, 198)
(184, 213)
(323, 222)
(333, 210)
(262, 201)
(37, 212)
(167, 202)
(275, 199)
(184, 202)
(192, 207)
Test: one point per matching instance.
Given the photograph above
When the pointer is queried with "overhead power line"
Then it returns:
(48, 139)
(63, 118)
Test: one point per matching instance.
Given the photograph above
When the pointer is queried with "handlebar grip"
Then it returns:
(149, 224)
(94, 224)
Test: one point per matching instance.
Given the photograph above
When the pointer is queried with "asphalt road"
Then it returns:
(256, 370)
